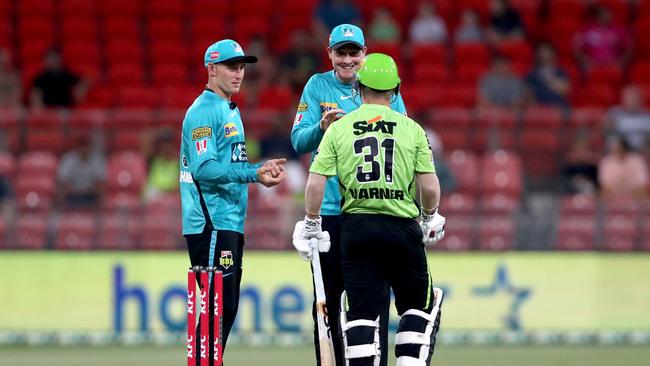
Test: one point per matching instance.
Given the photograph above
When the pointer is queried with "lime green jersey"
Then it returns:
(376, 153)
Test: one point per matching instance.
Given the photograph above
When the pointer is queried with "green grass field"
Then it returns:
(303, 356)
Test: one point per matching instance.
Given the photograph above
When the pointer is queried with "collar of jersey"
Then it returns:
(209, 93)
(373, 106)
(333, 75)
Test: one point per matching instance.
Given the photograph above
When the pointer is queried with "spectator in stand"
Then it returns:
(622, 173)
(56, 86)
(428, 26)
(580, 168)
(10, 86)
(500, 87)
(470, 29)
(630, 119)
(81, 175)
(301, 59)
(505, 22)
(383, 28)
(162, 163)
(601, 42)
(445, 175)
(331, 13)
(547, 83)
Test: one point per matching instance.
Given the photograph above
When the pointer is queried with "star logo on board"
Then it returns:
(502, 284)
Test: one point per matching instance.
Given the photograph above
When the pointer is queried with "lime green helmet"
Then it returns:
(378, 71)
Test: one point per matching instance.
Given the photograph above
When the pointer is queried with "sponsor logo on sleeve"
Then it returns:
(325, 107)
(184, 161)
(230, 130)
(201, 132)
(297, 120)
(238, 152)
(201, 146)
(303, 107)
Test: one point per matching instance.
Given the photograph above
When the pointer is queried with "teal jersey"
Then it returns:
(322, 93)
(214, 168)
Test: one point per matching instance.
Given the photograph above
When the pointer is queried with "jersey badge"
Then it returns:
(238, 152)
(230, 130)
(303, 107)
(201, 146)
(226, 261)
(201, 132)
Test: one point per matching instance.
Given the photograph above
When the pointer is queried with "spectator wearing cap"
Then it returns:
(215, 173)
(56, 86)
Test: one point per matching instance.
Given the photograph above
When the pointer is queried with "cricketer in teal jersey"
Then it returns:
(379, 155)
(214, 175)
(324, 99)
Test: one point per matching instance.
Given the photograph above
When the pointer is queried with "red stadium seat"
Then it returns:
(598, 95)
(122, 201)
(45, 120)
(171, 53)
(575, 232)
(473, 53)
(37, 163)
(516, 51)
(578, 204)
(606, 74)
(587, 117)
(430, 73)
(81, 8)
(124, 52)
(429, 54)
(470, 73)
(465, 167)
(120, 29)
(82, 52)
(34, 193)
(198, 8)
(543, 117)
(166, 74)
(640, 71)
(166, 8)
(125, 140)
(179, 97)
(499, 203)
(7, 165)
(31, 230)
(138, 97)
(78, 29)
(451, 119)
(277, 98)
(459, 233)
(207, 25)
(461, 204)
(502, 173)
(453, 139)
(161, 233)
(169, 203)
(170, 29)
(538, 141)
(457, 95)
(245, 29)
(75, 231)
(620, 232)
(567, 8)
(255, 8)
(131, 119)
(44, 8)
(126, 74)
(122, 8)
(52, 141)
(496, 233)
(126, 172)
(120, 230)
(3, 234)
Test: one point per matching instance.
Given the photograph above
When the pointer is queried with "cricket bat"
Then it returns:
(324, 337)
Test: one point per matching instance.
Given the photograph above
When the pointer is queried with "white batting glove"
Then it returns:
(306, 230)
(433, 228)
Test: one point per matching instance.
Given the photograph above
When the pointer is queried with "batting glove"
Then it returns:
(304, 232)
(433, 228)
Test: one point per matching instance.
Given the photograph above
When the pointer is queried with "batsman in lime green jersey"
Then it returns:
(379, 155)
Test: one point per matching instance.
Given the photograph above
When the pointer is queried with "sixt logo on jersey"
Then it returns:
(373, 125)
(230, 130)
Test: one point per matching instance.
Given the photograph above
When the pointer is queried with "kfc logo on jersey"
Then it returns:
(201, 146)
(297, 120)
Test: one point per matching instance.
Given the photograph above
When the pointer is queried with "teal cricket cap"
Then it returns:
(226, 50)
(344, 34)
